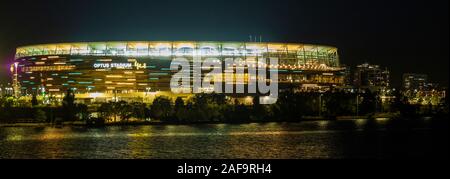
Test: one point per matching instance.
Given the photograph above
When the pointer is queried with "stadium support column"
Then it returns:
(16, 85)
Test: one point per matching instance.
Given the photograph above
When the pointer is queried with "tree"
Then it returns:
(138, 110)
(107, 111)
(241, 113)
(401, 104)
(39, 115)
(208, 107)
(289, 106)
(161, 108)
(124, 110)
(179, 109)
(260, 112)
(368, 104)
(444, 105)
(34, 101)
(9, 102)
(83, 112)
(68, 106)
(339, 103)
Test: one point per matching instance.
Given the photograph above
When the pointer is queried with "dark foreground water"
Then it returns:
(379, 138)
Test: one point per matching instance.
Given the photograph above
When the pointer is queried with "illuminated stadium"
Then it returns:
(107, 70)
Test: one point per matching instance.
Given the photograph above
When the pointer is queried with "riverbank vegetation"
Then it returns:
(204, 108)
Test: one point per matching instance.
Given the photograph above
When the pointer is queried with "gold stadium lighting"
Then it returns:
(143, 63)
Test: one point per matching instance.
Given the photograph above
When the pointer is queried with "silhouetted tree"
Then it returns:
(124, 110)
(338, 103)
(34, 101)
(290, 106)
(207, 107)
(161, 108)
(443, 107)
(68, 106)
(83, 112)
(259, 112)
(39, 115)
(401, 104)
(368, 104)
(241, 113)
(107, 111)
(179, 109)
(139, 110)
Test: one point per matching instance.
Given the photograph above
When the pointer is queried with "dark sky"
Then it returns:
(403, 35)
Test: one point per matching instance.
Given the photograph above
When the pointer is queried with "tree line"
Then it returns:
(291, 106)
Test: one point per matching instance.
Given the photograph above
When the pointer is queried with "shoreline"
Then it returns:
(159, 123)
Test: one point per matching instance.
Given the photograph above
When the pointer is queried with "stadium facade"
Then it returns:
(135, 69)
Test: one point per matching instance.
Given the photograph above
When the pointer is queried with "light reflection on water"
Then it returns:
(321, 139)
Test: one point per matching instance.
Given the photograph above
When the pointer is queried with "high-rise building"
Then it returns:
(412, 81)
(418, 90)
(347, 75)
(371, 77)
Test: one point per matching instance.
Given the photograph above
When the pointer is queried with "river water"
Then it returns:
(375, 139)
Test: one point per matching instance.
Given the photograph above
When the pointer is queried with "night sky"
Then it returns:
(403, 35)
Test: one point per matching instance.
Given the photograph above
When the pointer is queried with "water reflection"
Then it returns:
(322, 139)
